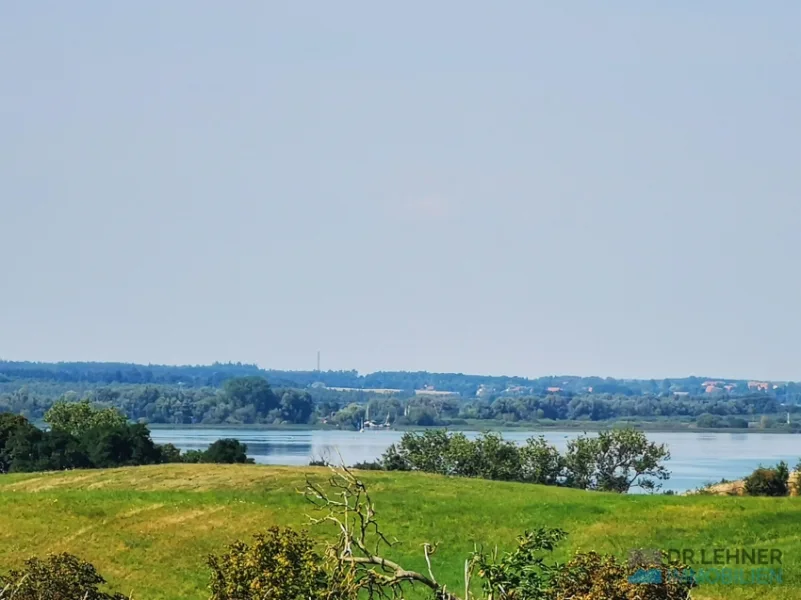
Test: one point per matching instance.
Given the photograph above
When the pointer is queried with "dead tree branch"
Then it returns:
(346, 503)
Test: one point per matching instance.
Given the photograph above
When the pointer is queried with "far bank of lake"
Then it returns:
(696, 457)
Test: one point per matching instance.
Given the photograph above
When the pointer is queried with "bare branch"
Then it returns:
(351, 509)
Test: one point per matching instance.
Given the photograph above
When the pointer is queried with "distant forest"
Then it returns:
(465, 385)
(234, 393)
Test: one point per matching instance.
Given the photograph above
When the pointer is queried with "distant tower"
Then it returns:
(318, 361)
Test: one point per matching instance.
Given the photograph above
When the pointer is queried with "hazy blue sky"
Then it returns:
(532, 188)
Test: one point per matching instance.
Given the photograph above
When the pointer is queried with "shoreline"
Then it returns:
(471, 427)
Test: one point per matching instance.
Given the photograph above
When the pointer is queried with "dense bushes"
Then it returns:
(82, 436)
(281, 564)
(768, 481)
(58, 577)
(227, 451)
(612, 461)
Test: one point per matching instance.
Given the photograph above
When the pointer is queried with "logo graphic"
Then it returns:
(652, 576)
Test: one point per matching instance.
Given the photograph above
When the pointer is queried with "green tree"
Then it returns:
(428, 451)
(12, 427)
(707, 421)
(540, 462)
(170, 454)
(296, 406)
(227, 451)
(120, 445)
(495, 458)
(616, 460)
(78, 417)
(251, 391)
(36, 450)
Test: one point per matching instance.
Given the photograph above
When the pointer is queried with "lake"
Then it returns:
(696, 458)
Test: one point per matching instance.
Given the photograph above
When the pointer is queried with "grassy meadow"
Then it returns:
(149, 529)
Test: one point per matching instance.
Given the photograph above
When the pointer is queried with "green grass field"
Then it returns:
(149, 529)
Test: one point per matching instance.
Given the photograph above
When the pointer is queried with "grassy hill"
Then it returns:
(149, 529)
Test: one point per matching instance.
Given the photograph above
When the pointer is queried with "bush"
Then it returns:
(280, 564)
(192, 456)
(120, 445)
(612, 461)
(227, 451)
(592, 576)
(368, 466)
(768, 482)
(58, 577)
(169, 453)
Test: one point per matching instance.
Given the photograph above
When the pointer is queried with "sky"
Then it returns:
(516, 187)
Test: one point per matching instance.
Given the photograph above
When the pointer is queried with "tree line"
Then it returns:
(466, 386)
(253, 400)
(612, 461)
(439, 410)
(81, 436)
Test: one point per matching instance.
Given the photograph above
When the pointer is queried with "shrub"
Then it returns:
(368, 466)
(280, 564)
(58, 577)
(192, 456)
(169, 453)
(592, 576)
(768, 482)
(612, 461)
(540, 462)
(228, 451)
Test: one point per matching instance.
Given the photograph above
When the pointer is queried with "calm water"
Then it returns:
(696, 458)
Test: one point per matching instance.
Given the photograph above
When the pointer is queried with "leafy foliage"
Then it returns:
(12, 427)
(768, 481)
(25, 448)
(612, 461)
(76, 418)
(236, 393)
(228, 451)
(522, 573)
(280, 564)
(593, 576)
(58, 577)
(615, 460)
